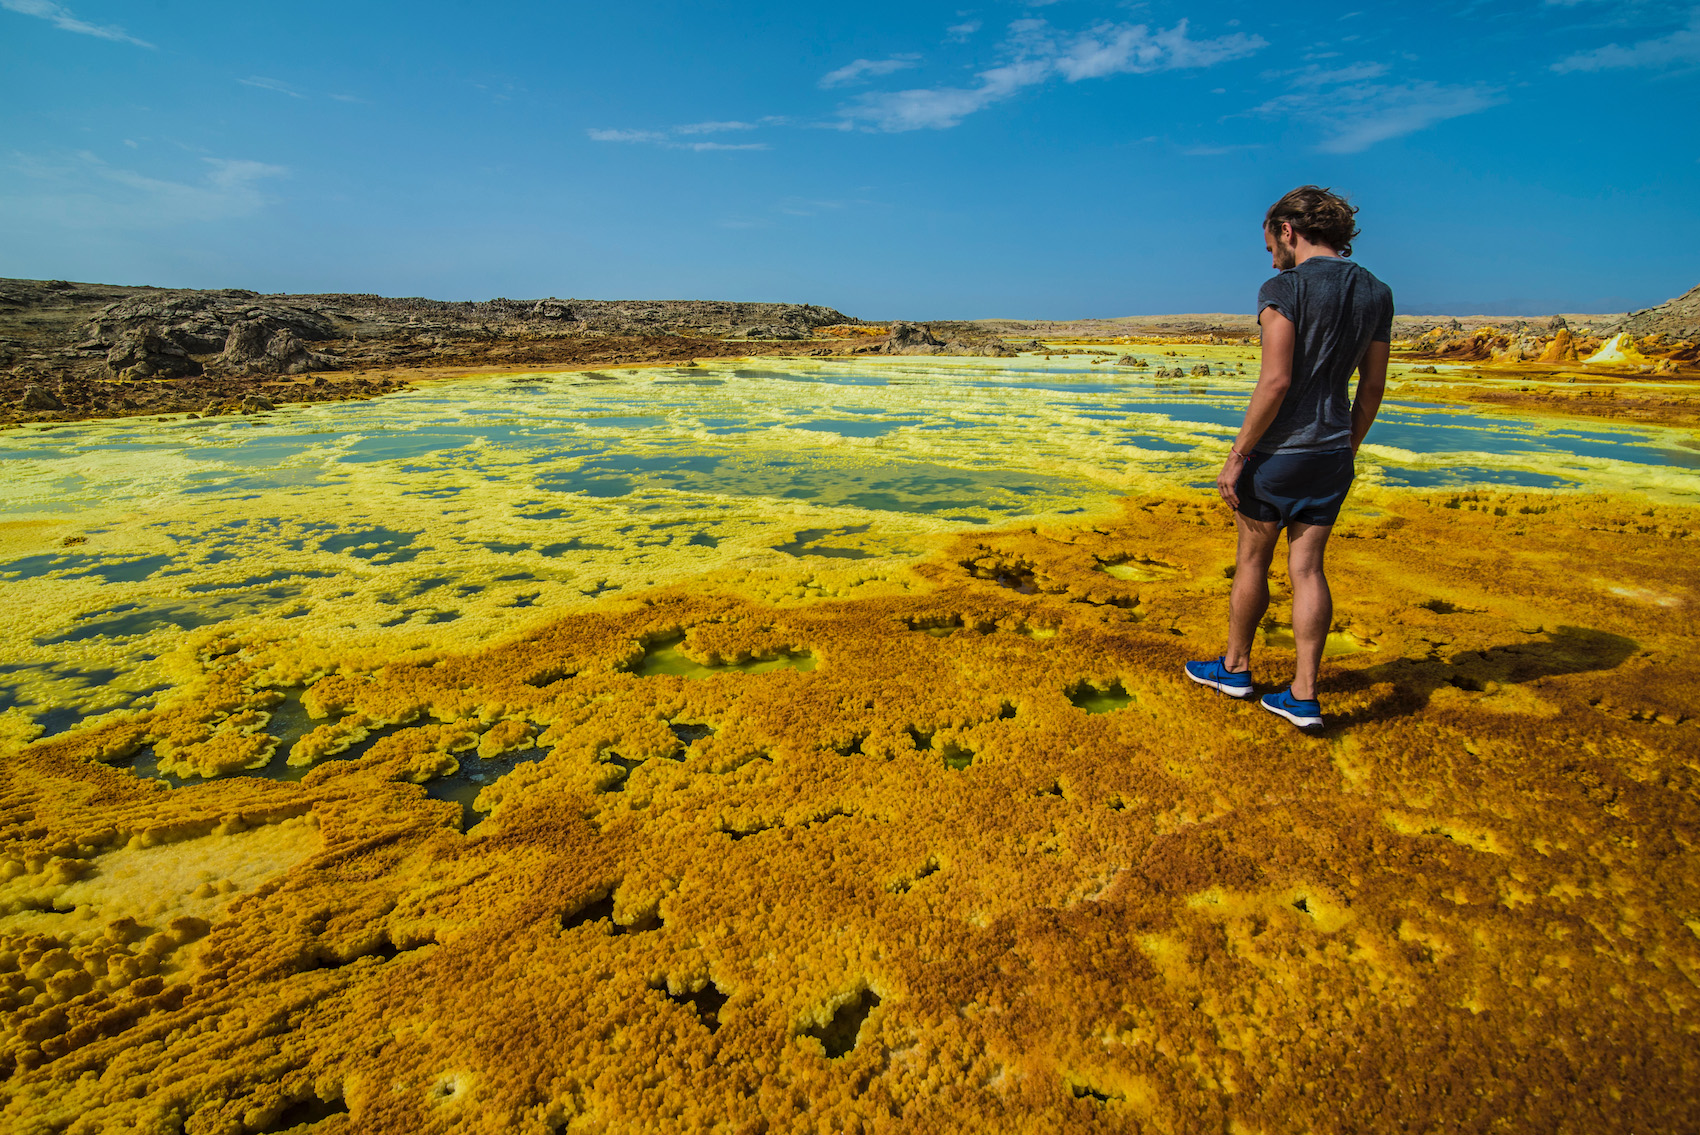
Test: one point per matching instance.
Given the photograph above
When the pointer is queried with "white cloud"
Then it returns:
(959, 33)
(804, 207)
(61, 17)
(1681, 46)
(712, 127)
(937, 108)
(626, 136)
(1037, 55)
(239, 175)
(665, 138)
(1355, 116)
(231, 188)
(1219, 151)
(84, 192)
(1118, 49)
(860, 69)
(266, 84)
(702, 146)
(1351, 73)
(261, 82)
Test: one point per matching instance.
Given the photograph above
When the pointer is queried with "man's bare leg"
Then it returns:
(1250, 597)
(1313, 604)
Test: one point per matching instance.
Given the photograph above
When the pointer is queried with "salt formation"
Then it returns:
(991, 864)
(1619, 350)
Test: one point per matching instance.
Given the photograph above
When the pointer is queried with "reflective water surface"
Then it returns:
(479, 502)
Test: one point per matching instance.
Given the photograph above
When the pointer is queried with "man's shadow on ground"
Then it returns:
(1567, 650)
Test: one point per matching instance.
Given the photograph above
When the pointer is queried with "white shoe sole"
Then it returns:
(1231, 691)
(1300, 722)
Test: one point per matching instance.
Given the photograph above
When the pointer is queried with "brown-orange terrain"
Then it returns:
(970, 855)
(1640, 369)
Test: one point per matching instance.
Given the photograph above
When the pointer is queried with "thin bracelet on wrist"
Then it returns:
(1238, 454)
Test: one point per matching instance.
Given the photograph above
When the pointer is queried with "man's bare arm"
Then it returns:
(1372, 383)
(1274, 376)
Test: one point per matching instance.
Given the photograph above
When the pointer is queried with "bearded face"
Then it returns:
(1282, 244)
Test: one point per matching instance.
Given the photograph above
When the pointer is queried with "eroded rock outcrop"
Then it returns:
(140, 353)
(918, 339)
(912, 339)
(1678, 318)
(255, 347)
(39, 398)
(149, 338)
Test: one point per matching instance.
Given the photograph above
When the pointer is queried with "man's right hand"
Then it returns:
(1372, 383)
(1228, 480)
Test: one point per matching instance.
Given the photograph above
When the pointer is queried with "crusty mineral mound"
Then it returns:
(987, 863)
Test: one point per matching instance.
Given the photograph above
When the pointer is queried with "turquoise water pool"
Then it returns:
(473, 504)
(977, 443)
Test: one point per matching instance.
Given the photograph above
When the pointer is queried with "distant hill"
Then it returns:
(1510, 309)
(72, 350)
(1679, 318)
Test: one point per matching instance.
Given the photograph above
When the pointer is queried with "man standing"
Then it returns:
(1323, 317)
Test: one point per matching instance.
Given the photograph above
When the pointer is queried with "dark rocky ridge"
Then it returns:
(71, 350)
(1678, 318)
(164, 333)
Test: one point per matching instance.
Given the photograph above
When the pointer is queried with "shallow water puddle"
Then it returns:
(474, 775)
(378, 545)
(671, 659)
(129, 619)
(1139, 570)
(156, 883)
(1460, 476)
(1094, 700)
(1280, 636)
(809, 542)
(79, 565)
(289, 722)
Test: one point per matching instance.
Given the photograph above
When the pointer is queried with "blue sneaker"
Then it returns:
(1236, 684)
(1306, 715)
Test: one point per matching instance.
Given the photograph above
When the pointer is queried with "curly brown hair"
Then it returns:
(1317, 214)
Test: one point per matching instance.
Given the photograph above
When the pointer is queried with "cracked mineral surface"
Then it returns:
(789, 746)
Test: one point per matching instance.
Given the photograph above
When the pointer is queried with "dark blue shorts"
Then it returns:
(1307, 488)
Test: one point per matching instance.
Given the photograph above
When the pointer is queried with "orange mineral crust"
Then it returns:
(963, 852)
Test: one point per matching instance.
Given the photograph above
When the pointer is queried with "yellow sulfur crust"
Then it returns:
(819, 851)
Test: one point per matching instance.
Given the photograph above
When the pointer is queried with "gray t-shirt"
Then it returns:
(1337, 309)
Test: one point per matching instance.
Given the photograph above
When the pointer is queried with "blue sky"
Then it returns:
(1058, 160)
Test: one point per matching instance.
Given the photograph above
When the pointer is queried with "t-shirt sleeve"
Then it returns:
(1281, 293)
(1384, 323)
